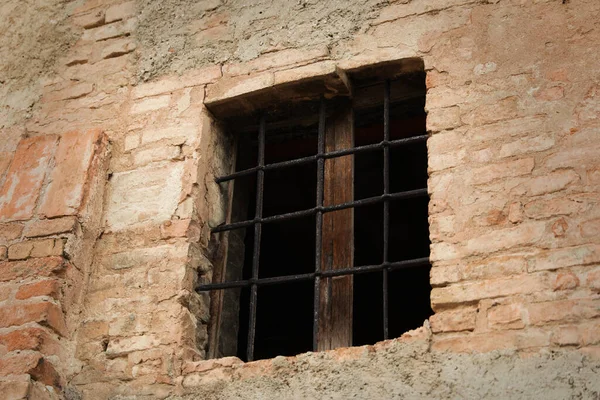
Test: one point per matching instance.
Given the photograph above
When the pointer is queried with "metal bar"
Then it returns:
(319, 223)
(260, 183)
(386, 205)
(391, 266)
(332, 154)
(325, 209)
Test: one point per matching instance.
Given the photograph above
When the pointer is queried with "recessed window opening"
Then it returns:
(343, 241)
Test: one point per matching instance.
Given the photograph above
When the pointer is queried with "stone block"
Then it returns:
(159, 153)
(121, 346)
(66, 191)
(499, 239)
(145, 195)
(174, 135)
(90, 20)
(544, 208)
(70, 92)
(21, 189)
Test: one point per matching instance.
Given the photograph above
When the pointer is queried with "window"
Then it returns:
(327, 235)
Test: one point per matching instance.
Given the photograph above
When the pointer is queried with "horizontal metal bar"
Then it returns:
(333, 154)
(311, 211)
(417, 262)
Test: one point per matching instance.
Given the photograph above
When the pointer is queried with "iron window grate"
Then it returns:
(319, 210)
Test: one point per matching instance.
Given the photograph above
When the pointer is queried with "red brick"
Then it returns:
(21, 189)
(47, 227)
(462, 319)
(174, 228)
(563, 311)
(45, 313)
(49, 287)
(38, 267)
(10, 231)
(31, 339)
(73, 158)
(567, 257)
(33, 364)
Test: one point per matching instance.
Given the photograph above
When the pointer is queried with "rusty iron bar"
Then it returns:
(260, 186)
(316, 157)
(392, 266)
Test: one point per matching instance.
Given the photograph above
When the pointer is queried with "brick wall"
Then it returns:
(107, 197)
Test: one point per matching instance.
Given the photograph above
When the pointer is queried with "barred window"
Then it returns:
(327, 235)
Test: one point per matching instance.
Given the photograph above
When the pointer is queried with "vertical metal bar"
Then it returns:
(260, 183)
(319, 223)
(386, 204)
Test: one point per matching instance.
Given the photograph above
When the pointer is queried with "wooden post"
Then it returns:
(335, 321)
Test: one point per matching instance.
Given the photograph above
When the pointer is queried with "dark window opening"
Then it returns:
(284, 299)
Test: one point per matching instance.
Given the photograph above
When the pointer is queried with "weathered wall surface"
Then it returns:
(106, 162)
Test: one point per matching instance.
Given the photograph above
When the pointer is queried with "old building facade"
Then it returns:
(110, 142)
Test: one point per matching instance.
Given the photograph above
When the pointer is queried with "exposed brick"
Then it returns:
(462, 319)
(502, 170)
(45, 313)
(441, 119)
(117, 47)
(116, 29)
(71, 92)
(590, 228)
(38, 267)
(548, 208)
(74, 156)
(527, 145)
(490, 341)
(14, 389)
(500, 287)
(174, 135)
(3, 253)
(593, 279)
(498, 110)
(492, 267)
(508, 316)
(10, 231)
(499, 239)
(563, 311)
(31, 339)
(566, 280)
(36, 249)
(21, 189)
(550, 183)
(31, 363)
(145, 195)
(120, 11)
(153, 154)
(567, 257)
(232, 87)
(150, 104)
(47, 287)
(47, 227)
(90, 20)
(121, 346)
(93, 329)
(174, 228)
